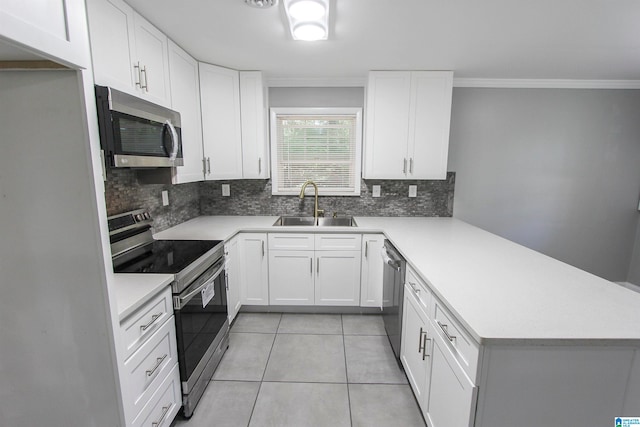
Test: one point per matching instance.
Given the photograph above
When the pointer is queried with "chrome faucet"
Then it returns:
(316, 211)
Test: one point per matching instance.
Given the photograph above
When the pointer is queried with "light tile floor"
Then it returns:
(303, 370)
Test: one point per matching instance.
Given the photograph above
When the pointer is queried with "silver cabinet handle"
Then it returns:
(165, 411)
(404, 168)
(424, 347)
(209, 165)
(420, 340)
(146, 79)
(415, 288)
(366, 249)
(311, 265)
(444, 328)
(151, 322)
(159, 361)
(259, 165)
(139, 79)
(263, 249)
(411, 165)
(318, 265)
(204, 165)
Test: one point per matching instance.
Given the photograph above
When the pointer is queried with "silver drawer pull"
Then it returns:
(444, 328)
(414, 287)
(153, 319)
(165, 411)
(159, 361)
(420, 341)
(424, 346)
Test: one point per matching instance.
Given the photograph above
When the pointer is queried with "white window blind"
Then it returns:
(322, 145)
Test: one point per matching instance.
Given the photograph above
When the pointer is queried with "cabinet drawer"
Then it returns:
(338, 242)
(419, 288)
(164, 404)
(147, 368)
(300, 242)
(462, 347)
(145, 321)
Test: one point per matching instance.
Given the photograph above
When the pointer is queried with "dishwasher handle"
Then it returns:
(395, 264)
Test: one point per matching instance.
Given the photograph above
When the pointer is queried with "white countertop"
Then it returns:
(133, 290)
(502, 292)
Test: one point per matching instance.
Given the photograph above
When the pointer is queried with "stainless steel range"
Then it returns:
(199, 293)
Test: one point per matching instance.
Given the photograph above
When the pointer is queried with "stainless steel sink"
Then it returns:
(344, 221)
(295, 220)
(286, 221)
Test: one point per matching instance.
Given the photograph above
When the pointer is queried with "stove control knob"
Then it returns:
(146, 215)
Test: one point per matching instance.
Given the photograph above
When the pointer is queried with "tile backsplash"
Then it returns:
(253, 197)
(123, 192)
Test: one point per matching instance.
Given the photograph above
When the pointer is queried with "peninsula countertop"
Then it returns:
(502, 292)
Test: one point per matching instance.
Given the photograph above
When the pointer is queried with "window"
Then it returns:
(320, 144)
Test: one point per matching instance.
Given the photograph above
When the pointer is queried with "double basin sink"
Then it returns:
(345, 221)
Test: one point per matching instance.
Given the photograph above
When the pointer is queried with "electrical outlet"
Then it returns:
(226, 190)
(375, 191)
(413, 191)
(165, 198)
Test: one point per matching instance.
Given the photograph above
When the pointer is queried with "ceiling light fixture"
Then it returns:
(308, 19)
(261, 4)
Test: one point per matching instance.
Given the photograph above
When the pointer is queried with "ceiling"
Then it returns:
(540, 39)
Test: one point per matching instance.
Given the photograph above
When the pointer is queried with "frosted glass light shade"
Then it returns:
(307, 10)
(309, 32)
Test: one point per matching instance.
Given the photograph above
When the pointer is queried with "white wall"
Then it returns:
(57, 362)
(555, 170)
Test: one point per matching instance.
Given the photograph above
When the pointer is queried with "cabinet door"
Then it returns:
(151, 55)
(185, 98)
(254, 289)
(371, 271)
(429, 120)
(232, 270)
(387, 125)
(55, 28)
(415, 353)
(337, 278)
(452, 396)
(255, 146)
(112, 49)
(291, 280)
(220, 102)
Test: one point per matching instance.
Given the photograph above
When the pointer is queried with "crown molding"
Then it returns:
(316, 82)
(546, 83)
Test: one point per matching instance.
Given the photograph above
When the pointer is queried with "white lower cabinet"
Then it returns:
(291, 278)
(149, 374)
(232, 272)
(302, 272)
(415, 352)
(253, 270)
(450, 401)
(371, 272)
(337, 278)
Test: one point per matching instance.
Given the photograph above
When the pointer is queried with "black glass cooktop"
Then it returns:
(168, 256)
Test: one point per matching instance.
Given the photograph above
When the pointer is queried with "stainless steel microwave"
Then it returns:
(136, 133)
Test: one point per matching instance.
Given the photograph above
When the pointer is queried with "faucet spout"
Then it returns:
(316, 211)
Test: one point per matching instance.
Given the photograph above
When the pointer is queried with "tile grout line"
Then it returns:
(253, 408)
(346, 370)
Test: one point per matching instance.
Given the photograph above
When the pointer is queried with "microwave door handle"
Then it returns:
(174, 140)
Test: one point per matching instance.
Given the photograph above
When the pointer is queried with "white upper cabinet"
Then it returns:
(221, 129)
(128, 52)
(54, 29)
(255, 146)
(185, 98)
(407, 124)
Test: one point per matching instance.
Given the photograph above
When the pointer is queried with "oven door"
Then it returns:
(199, 321)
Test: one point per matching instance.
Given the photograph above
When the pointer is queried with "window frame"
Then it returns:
(315, 111)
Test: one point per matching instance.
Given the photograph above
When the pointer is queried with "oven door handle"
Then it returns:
(181, 300)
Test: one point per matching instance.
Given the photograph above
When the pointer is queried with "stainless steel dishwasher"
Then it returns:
(393, 294)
